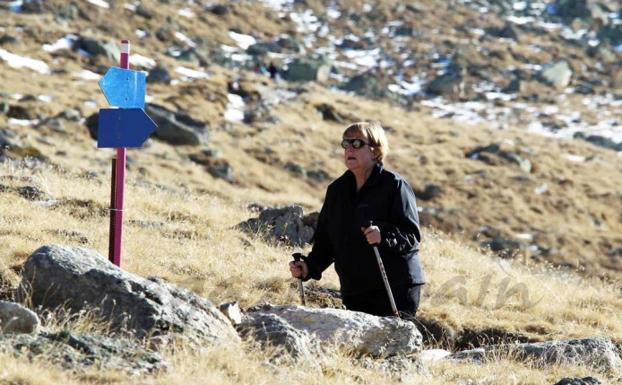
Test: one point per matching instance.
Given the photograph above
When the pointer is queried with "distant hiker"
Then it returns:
(367, 191)
(272, 70)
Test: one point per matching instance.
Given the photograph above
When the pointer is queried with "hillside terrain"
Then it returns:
(504, 117)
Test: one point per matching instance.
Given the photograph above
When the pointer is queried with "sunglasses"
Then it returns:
(354, 143)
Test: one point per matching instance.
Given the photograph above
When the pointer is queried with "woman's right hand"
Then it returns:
(299, 269)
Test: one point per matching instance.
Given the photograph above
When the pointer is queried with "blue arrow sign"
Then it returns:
(123, 127)
(124, 88)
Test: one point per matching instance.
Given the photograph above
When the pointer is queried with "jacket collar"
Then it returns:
(372, 180)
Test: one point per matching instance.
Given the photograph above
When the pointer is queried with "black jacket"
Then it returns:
(386, 199)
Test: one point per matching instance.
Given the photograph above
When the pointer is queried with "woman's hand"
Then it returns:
(299, 269)
(372, 233)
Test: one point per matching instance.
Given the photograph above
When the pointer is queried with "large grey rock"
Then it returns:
(361, 333)
(557, 74)
(286, 224)
(177, 128)
(75, 352)
(77, 278)
(15, 318)
(599, 353)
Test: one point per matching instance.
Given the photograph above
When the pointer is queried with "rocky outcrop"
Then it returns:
(77, 278)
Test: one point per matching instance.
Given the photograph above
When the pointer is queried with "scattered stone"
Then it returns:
(482, 153)
(306, 70)
(176, 127)
(557, 74)
(16, 319)
(429, 192)
(32, 193)
(281, 224)
(143, 11)
(365, 84)
(262, 49)
(79, 279)
(159, 74)
(72, 351)
(578, 381)
(318, 176)
(598, 353)
(8, 138)
(92, 124)
(599, 141)
(21, 112)
(110, 51)
(508, 31)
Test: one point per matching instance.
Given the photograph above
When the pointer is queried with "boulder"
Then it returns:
(80, 279)
(15, 318)
(74, 351)
(361, 333)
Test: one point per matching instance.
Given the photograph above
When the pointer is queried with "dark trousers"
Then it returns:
(377, 302)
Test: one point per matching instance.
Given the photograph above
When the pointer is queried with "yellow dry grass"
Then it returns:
(197, 246)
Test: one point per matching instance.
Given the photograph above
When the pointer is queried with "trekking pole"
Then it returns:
(298, 257)
(384, 276)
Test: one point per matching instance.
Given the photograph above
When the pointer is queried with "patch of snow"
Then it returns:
(142, 61)
(235, 108)
(100, 3)
(243, 41)
(575, 158)
(186, 12)
(17, 61)
(190, 73)
(88, 75)
(45, 98)
(141, 34)
(185, 39)
(66, 42)
(23, 122)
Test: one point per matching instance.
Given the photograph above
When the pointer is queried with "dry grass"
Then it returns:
(197, 246)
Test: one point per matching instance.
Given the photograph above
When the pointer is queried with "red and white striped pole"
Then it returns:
(119, 176)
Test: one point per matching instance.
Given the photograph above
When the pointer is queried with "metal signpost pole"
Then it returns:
(120, 175)
(126, 125)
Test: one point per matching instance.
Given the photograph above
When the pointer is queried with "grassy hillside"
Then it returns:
(561, 280)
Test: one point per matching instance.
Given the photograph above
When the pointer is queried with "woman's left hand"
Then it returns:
(372, 233)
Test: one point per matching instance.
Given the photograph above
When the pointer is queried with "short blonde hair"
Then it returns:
(373, 134)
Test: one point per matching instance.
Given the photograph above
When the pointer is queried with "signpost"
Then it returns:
(125, 126)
